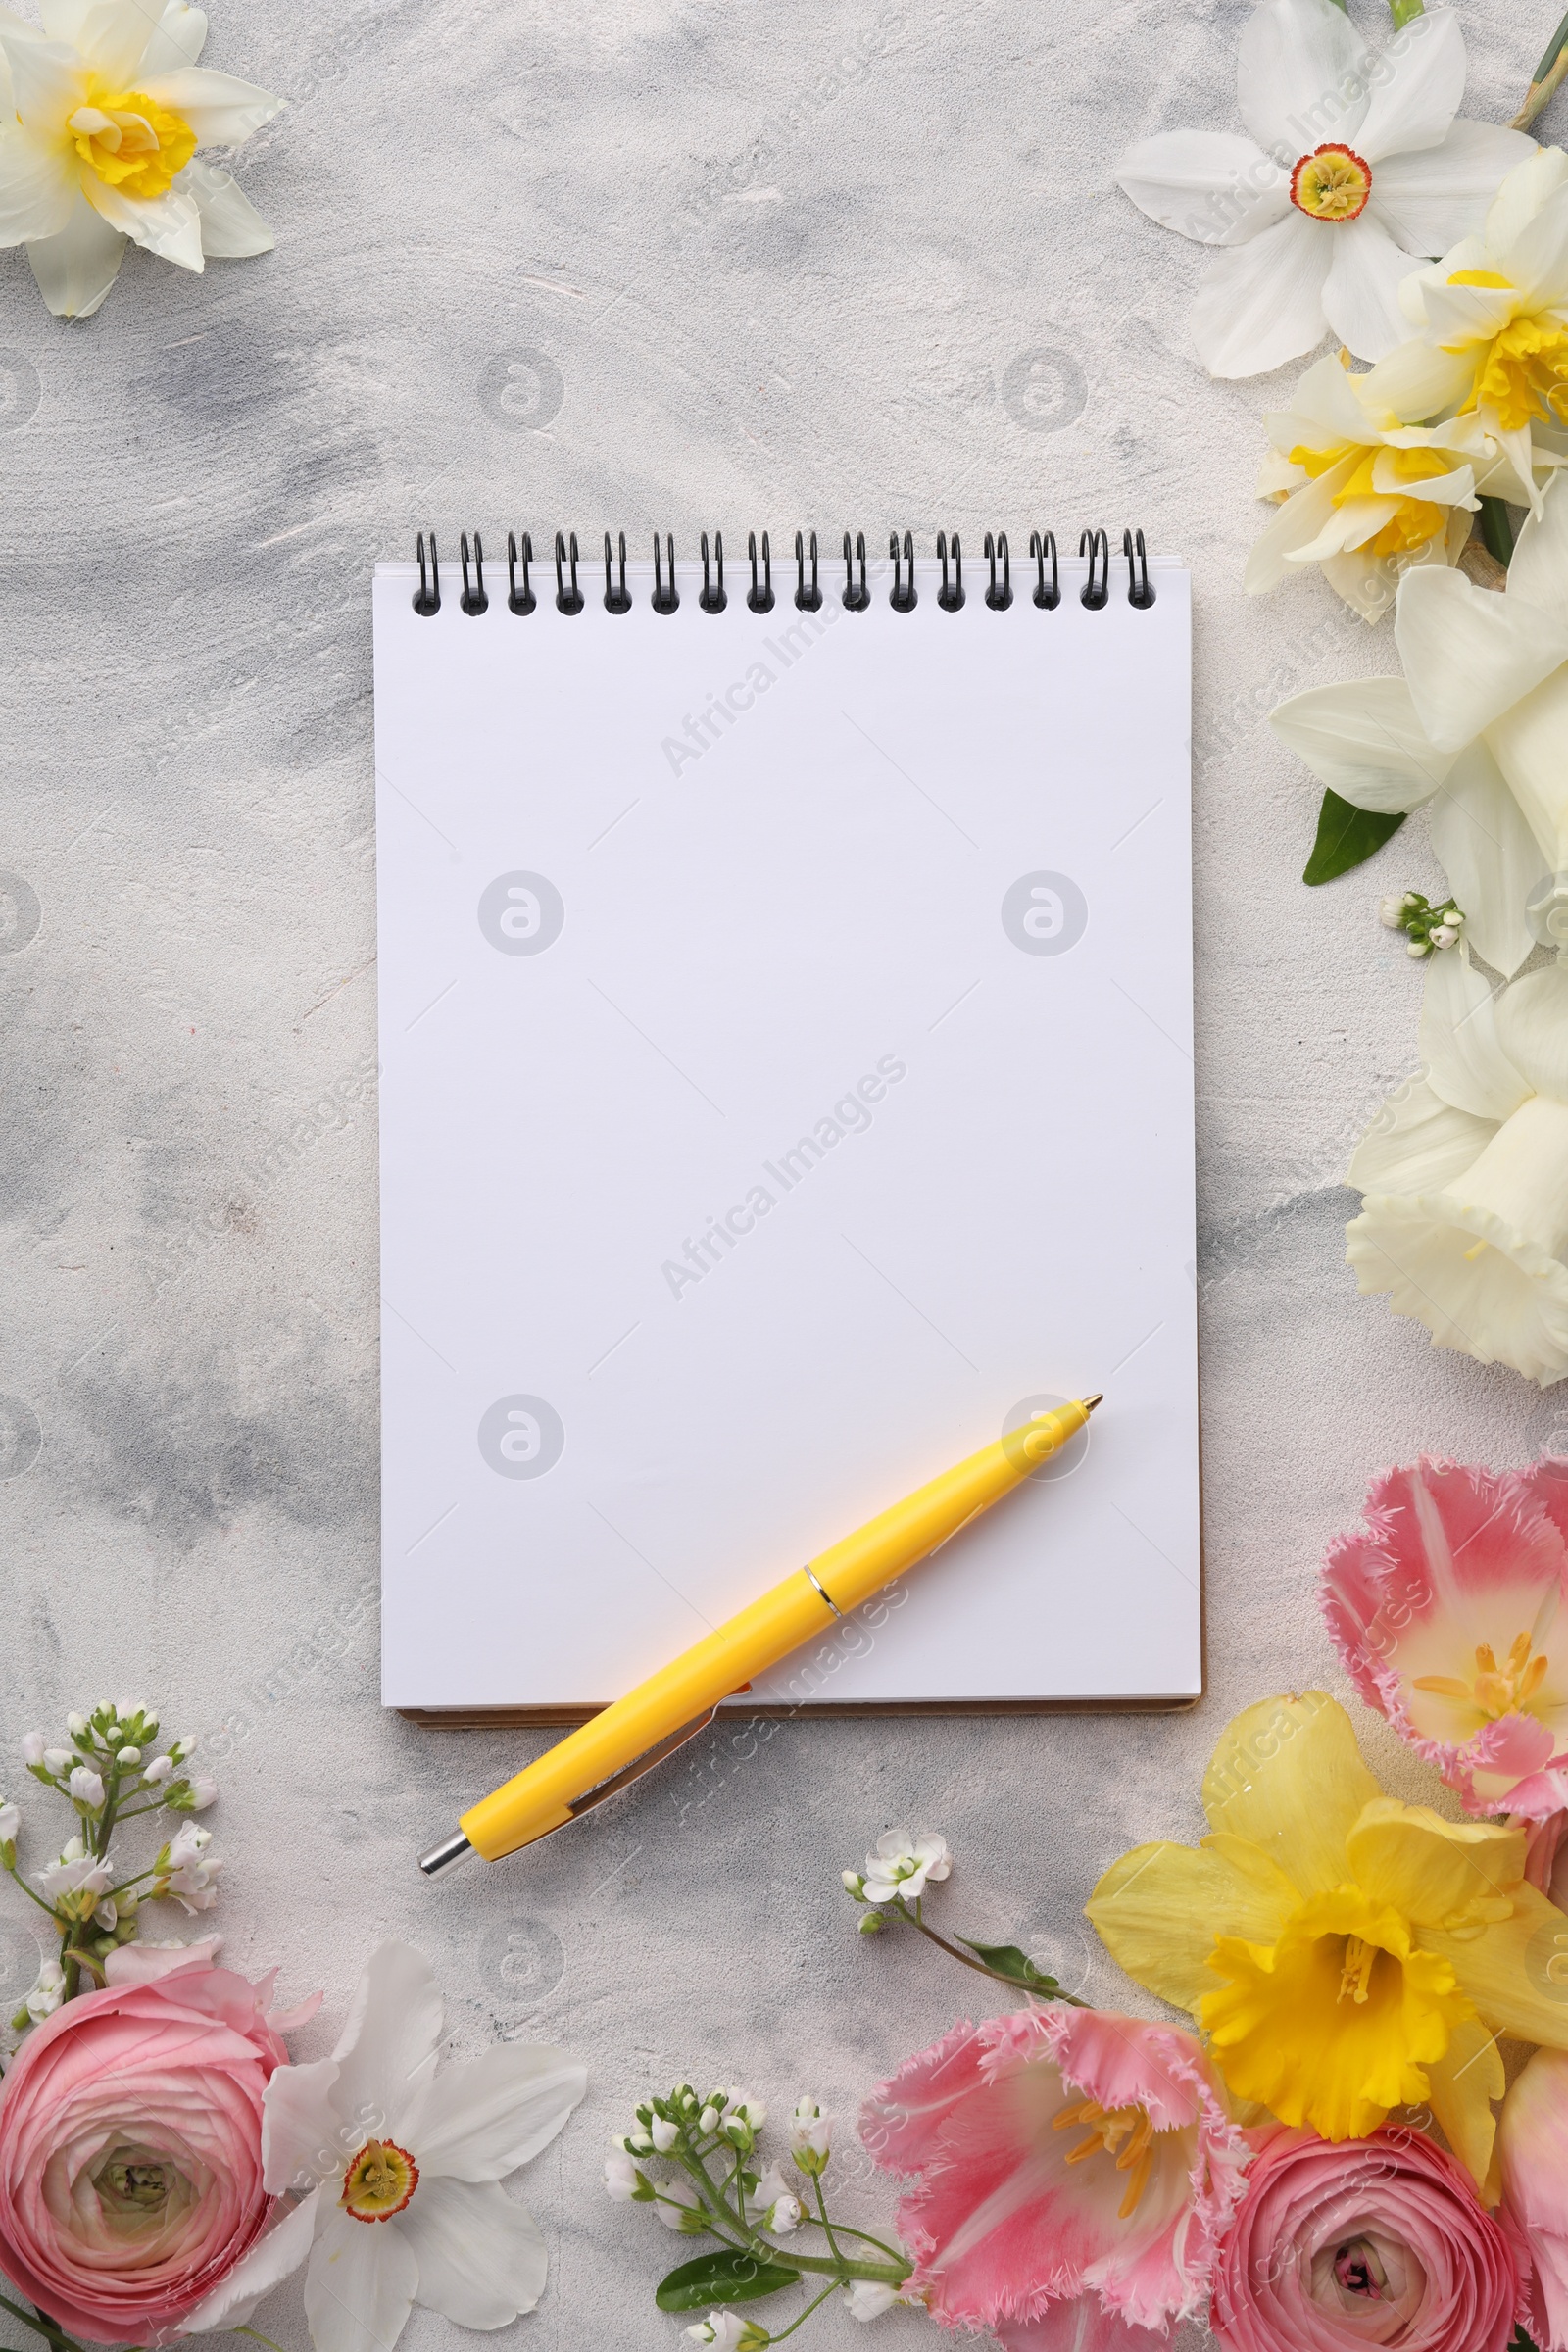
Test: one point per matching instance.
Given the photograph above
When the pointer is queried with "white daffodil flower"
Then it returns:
(1476, 726)
(403, 2167)
(102, 108)
(902, 1865)
(1493, 314)
(1464, 1173)
(1367, 491)
(1354, 164)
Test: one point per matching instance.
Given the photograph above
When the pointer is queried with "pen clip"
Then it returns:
(634, 1771)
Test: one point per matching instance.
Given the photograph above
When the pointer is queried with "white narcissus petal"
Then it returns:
(110, 36)
(169, 225)
(179, 38)
(1417, 379)
(1521, 196)
(231, 226)
(361, 2284)
(1416, 1142)
(482, 2258)
(1419, 81)
(1458, 1039)
(220, 109)
(1366, 582)
(301, 2126)
(481, 2120)
(1537, 571)
(1489, 856)
(1302, 519)
(1537, 257)
(387, 2048)
(48, 82)
(1458, 316)
(1365, 742)
(1469, 653)
(1361, 293)
(1261, 304)
(1433, 198)
(75, 269)
(1297, 61)
(274, 2257)
(37, 186)
(1533, 1029)
(1209, 185)
(1527, 742)
(1329, 399)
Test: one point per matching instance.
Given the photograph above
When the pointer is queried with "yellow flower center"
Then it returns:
(1337, 2021)
(1332, 183)
(1520, 370)
(379, 2182)
(1415, 521)
(130, 143)
(1109, 2127)
(1496, 1691)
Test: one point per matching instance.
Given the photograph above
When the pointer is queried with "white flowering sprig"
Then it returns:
(892, 1888)
(718, 2186)
(108, 1776)
(1426, 927)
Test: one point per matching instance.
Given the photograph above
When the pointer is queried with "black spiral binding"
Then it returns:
(902, 594)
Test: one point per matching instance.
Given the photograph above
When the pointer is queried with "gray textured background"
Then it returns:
(689, 264)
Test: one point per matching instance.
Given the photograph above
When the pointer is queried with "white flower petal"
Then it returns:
(1366, 582)
(1469, 653)
(481, 2120)
(1297, 65)
(482, 2258)
(179, 38)
(360, 2286)
(1538, 257)
(1521, 196)
(1473, 1278)
(1419, 83)
(1433, 198)
(1416, 1142)
(1533, 1030)
(300, 2127)
(168, 225)
(231, 226)
(220, 109)
(1489, 856)
(75, 269)
(48, 82)
(274, 2257)
(1538, 574)
(37, 186)
(1361, 294)
(1417, 379)
(388, 2045)
(1458, 1039)
(1206, 184)
(109, 36)
(1306, 514)
(1365, 742)
(145, 1963)
(1261, 303)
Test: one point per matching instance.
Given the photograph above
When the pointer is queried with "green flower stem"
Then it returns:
(16, 1873)
(1402, 11)
(968, 1960)
(827, 2227)
(1548, 75)
(747, 2241)
(1496, 532)
(40, 2326)
(844, 2229)
(802, 2317)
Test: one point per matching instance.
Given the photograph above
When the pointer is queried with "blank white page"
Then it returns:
(786, 1085)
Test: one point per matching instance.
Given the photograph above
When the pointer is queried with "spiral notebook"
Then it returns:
(786, 1088)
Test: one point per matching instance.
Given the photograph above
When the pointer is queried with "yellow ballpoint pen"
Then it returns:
(623, 1740)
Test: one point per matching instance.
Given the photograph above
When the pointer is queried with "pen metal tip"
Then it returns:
(454, 1849)
(1089, 1402)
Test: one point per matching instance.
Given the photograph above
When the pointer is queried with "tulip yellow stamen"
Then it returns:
(1333, 183)
(379, 2182)
(1109, 2127)
(1496, 1691)
(130, 143)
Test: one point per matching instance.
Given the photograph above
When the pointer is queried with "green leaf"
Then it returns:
(1007, 1961)
(728, 2277)
(1347, 837)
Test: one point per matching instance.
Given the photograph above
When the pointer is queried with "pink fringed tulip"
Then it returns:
(1061, 2158)
(1533, 2145)
(1340, 2244)
(1446, 1609)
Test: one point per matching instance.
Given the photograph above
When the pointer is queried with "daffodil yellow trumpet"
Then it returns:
(1345, 1954)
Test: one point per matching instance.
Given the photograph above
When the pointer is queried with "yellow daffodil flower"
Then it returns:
(1345, 1954)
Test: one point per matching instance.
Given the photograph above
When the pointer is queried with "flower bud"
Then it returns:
(708, 2121)
(855, 1885)
(57, 1759)
(75, 1725)
(85, 1788)
(32, 1749)
(871, 1924)
(664, 2135)
(1418, 948)
(128, 1755)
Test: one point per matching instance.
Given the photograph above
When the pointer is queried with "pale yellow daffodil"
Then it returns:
(1345, 1954)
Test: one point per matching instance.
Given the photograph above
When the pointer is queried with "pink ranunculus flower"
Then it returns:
(1446, 1606)
(1533, 2149)
(1071, 2169)
(1343, 2243)
(131, 2145)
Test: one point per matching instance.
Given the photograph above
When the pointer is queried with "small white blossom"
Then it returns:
(624, 2183)
(59, 1759)
(190, 1870)
(809, 2136)
(776, 2205)
(902, 1865)
(49, 1992)
(85, 1785)
(679, 2209)
(161, 1769)
(1391, 911)
(128, 1709)
(10, 1822)
(728, 2330)
(665, 2133)
(128, 1755)
(1419, 948)
(708, 2121)
(76, 1724)
(1444, 935)
(106, 1915)
(33, 1747)
(869, 2298)
(77, 1873)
